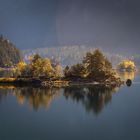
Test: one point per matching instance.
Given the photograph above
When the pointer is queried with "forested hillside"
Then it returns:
(9, 54)
(69, 55)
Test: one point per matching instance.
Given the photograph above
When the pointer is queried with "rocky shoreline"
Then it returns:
(57, 83)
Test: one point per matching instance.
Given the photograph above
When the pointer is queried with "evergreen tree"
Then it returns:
(75, 71)
(97, 66)
(66, 72)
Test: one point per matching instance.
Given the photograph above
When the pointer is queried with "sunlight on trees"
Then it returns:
(94, 66)
(21, 66)
(39, 66)
(127, 65)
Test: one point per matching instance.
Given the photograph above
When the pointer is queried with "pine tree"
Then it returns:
(97, 66)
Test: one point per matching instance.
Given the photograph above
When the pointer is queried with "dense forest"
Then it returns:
(9, 54)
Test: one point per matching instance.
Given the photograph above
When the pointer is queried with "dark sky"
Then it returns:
(111, 24)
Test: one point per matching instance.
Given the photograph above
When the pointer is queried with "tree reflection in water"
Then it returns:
(35, 97)
(127, 75)
(93, 98)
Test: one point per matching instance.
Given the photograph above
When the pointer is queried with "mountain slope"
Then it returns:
(9, 54)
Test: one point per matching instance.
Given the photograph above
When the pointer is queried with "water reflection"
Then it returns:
(127, 75)
(92, 98)
(35, 97)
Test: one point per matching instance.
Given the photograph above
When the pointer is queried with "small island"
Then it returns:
(95, 69)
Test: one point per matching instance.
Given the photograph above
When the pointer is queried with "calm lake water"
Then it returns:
(84, 113)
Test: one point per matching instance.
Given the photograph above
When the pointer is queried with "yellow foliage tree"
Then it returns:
(58, 71)
(21, 66)
(127, 65)
(41, 67)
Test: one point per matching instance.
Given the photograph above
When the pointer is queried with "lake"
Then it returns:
(84, 113)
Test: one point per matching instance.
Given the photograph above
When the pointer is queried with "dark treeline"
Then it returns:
(9, 54)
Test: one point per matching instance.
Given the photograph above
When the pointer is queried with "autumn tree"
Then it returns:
(94, 63)
(26, 72)
(57, 71)
(21, 66)
(127, 65)
(108, 64)
(35, 58)
(57, 68)
(97, 65)
(41, 67)
(18, 70)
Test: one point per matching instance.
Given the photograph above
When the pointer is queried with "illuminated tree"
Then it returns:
(41, 67)
(97, 66)
(127, 65)
(21, 66)
(19, 69)
(58, 71)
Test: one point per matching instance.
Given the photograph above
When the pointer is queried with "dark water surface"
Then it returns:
(84, 113)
